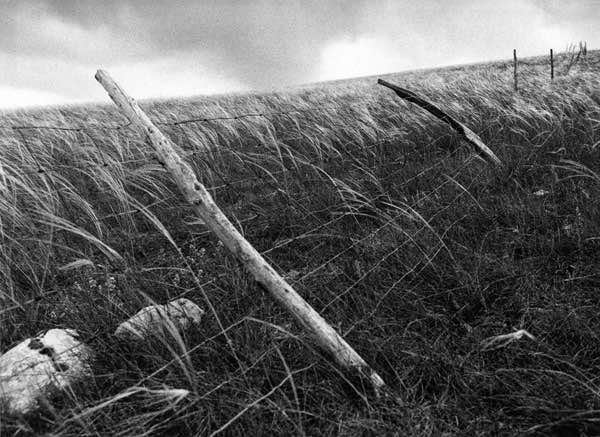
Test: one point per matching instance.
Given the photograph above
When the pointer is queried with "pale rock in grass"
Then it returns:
(40, 368)
(499, 341)
(180, 314)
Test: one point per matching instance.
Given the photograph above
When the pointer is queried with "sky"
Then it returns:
(50, 49)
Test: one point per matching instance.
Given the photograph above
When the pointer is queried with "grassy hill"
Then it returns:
(412, 247)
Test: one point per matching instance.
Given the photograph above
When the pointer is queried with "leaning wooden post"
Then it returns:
(551, 65)
(203, 204)
(515, 68)
(467, 134)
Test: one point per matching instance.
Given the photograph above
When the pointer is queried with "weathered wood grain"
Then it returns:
(205, 207)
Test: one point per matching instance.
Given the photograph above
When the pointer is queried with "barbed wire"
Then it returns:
(104, 162)
(108, 163)
(85, 130)
(203, 119)
(235, 117)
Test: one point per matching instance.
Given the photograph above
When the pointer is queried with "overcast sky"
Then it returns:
(50, 49)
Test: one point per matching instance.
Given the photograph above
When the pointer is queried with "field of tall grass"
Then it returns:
(413, 248)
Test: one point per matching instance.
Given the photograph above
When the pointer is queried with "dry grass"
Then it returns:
(413, 248)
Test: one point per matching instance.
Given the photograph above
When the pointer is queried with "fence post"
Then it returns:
(551, 65)
(467, 134)
(515, 68)
(205, 207)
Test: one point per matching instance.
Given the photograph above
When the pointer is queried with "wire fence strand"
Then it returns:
(88, 133)
(204, 119)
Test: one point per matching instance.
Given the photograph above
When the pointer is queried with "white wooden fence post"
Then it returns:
(197, 195)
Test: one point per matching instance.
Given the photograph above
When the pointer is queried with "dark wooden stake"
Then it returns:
(515, 68)
(551, 64)
(467, 134)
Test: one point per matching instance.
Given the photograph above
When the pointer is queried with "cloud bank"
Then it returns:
(185, 47)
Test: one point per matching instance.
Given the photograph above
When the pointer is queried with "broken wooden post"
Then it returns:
(515, 68)
(467, 134)
(197, 195)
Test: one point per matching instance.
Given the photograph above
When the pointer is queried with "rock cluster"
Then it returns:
(41, 368)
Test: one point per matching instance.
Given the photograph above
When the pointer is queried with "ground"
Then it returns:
(412, 247)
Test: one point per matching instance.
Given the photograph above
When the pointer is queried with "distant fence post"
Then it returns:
(551, 65)
(515, 68)
(206, 208)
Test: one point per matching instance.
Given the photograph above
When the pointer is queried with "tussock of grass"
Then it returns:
(413, 248)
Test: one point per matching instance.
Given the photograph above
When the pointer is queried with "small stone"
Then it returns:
(499, 341)
(153, 319)
(541, 193)
(40, 368)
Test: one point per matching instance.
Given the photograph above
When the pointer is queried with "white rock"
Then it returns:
(499, 341)
(42, 367)
(541, 193)
(180, 314)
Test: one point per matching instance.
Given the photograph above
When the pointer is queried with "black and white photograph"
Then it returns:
(299, 218)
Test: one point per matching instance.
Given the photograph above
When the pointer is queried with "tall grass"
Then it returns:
(412, 247)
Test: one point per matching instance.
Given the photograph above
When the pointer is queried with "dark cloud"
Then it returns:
(267, 43)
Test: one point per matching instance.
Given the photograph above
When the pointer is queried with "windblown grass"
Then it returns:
(412, 247)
